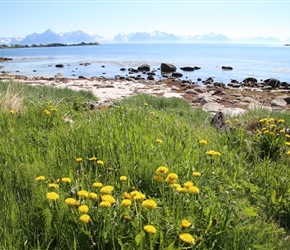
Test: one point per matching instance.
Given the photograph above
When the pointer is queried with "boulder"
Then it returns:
(219, 121)
(250, 81)
(274, 83)
(166, 67)
(278, 102)
(176, 74)
(144, 67)
(187, 68)
(59, 65)
(227, 68)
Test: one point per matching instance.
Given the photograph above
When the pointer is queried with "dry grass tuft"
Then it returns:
(11, 99)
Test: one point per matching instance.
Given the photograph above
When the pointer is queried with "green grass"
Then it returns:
(240, 200)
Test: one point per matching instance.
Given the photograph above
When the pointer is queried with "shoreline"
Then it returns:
(212, 97)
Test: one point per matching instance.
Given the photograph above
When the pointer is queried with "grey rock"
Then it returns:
(166, 67)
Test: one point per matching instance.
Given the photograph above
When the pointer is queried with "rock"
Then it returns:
(227, 68)
(176, 74)
(166, 67)
(250, 81)
(274, 83)
(234, 85)
(83, 78)
(3, 59)
(150, 77)
(233, 111)
(278, 102)
(219, 84)
(191, 92)
(122, 69)
(144, 67)
(187, 68)
(196, 68)
(219, 121)
(132, 71)
(59, 65)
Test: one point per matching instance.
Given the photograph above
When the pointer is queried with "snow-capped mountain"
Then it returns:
(156, 36)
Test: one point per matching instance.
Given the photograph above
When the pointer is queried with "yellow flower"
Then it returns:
(236, 120)
(287, 136)
(263, 120)
(127, 217)
(228, 121)
(123, 178)
(281, 121)
(171, 178)
(271, 120)
(85, 218)
(161, 170)
(145, 104)
(105, 204)
(109, 198)
(100, 162)
(12, 111)
(97, 184)
(185, 224)
(158, 178)
(272, 126)
(196, 174)
(40, 178)
(70, 202)
(287, 143)
(107, 189)
(150, 229)
(288, 152)
(93, 196)
(188, 184)
(83, 209)
(187, 238)
(93, 158)
(151, 204)
(266, 131)
(193, 190)
(212, 152)
(181, 190)
(126, 203)
(52, 196)
(127, 196)
(53, 185)
(203, 142)
(159, 141)
(282, 131)
(66, 180)
(136, 195)
(79, 159)
(175, 185)
(46, 112)
(83, 194)
(48, 103)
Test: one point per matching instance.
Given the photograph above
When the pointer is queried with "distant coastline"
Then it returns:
(47, 45)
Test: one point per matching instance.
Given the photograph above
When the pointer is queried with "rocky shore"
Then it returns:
(231, 99)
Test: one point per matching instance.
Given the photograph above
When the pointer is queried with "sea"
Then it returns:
(106, 60)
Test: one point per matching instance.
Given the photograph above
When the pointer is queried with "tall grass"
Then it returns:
(214, 190)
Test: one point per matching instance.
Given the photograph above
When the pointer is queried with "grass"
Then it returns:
(203, 189)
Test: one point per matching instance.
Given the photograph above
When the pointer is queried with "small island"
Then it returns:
(4, 46)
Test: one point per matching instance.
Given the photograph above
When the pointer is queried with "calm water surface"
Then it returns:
(260, 61)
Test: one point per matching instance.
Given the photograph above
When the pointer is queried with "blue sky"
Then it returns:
(107, 18)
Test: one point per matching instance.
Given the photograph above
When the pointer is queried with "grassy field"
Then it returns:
(149, 173)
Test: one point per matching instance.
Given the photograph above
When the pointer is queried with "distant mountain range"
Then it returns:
(79, 36)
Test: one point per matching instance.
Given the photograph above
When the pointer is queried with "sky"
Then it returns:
(235, 18)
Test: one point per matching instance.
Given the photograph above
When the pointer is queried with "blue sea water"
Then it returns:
(259, 61)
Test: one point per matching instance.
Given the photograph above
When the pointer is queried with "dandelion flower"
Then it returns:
(202, 142)
(287, 143)
(83, 194)
(212, 153)
(97, 184)
(40, 178)
(123, 178)
(83, 209)
(100, 162)
(46, 112)
(187, 238)
(151, 204)
(171, 178)
(107, 189)
(136, 195)
(159, 141)
(196, 174)
(85, 218)
(282, 131)
(93, 158)
(150, 229)
(175, 185)
(263, 120)
(185, 224)
(158, 178)
(127, 217)
(281, 121)
(270, 120)
(12, 111)
(93, 196)
(193, 190)
(126, 203)
(79, 159)
(161, 170)
(53, 185)
(188, 184)
(127, 196)
(236, 120)
(70, 202)
(145, 104)
(288, 152)
(181, 190)
(105, 204)
(109, 198)
(66, 180)
(287, 136)
(52, 196)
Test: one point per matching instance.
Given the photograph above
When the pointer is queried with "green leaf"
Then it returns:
(139, 237)
(250, 211)
(273, 197)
